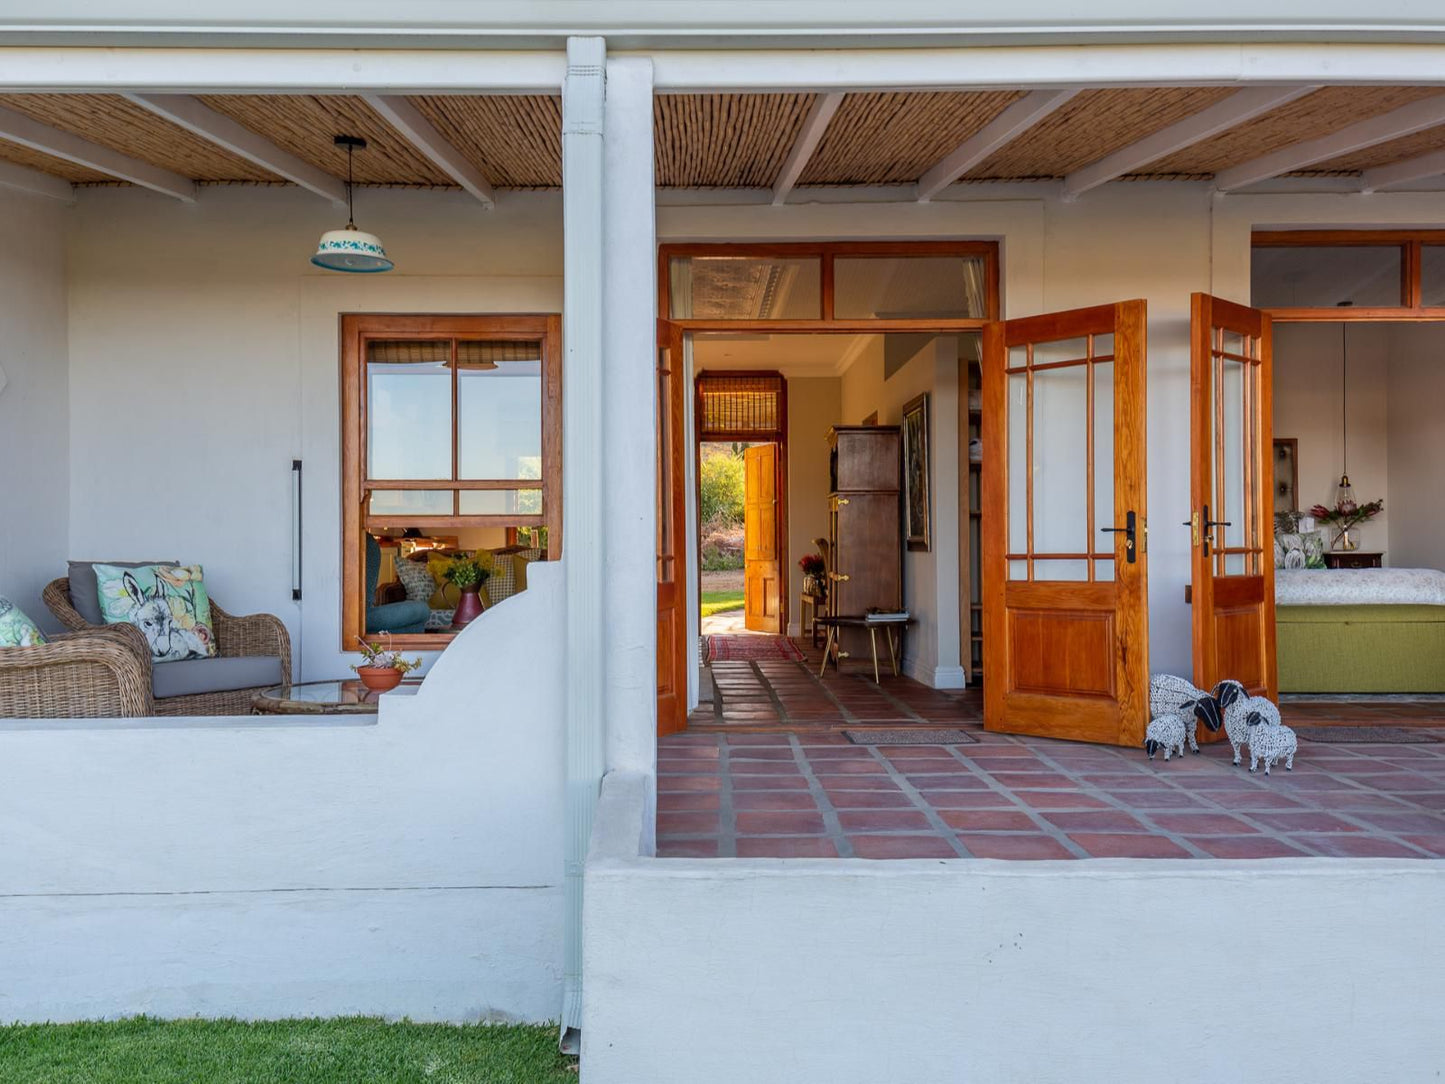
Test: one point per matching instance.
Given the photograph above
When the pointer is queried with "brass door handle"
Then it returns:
(838, 502)
(839, 576)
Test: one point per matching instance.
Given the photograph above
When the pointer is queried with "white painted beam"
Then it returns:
(25, 179)
(1002, 130)
(1408, 119)
(809, 136)
(1412, 169)
(1239, 107)
(18, 128)
(422, 134)
(200, 119)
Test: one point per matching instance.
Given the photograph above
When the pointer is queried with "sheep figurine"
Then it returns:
(1171, 695)
(1232, 696)
(1167, 732)
(1270, 742)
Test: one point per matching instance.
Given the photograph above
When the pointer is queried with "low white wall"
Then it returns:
(1117, 970)
(34, 401)
(407, 865)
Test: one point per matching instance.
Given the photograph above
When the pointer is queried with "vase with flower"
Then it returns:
(1345, 518)
(467, 574)
(814, 583)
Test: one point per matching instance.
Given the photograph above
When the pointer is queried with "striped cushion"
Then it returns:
(502, 583)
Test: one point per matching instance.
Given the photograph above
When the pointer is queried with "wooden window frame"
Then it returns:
(1411, 244)
(826, 252)
(357, 329)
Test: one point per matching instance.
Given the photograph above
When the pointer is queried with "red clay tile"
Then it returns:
(766, 782)
(967, 799)
(848, 767)
(774, 800)
(786, 847)
(687, 848)
(686, 824)
(1059, 799)
(778, 822)
(1255, 846)
(1107, 845)
(988, 820)
(689, 801)
(1425, 824)
(1195, 824)
(902, 847)
(1033, 846)
(688, 782)
(883, 820)
(869, 799)
(1345, 845)
(1304, 822)
(1434, 844)
(763, 767)
(1034, 780)
(1108, 820)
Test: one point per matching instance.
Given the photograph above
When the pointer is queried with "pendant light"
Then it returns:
(351, 249)
(1345, 493)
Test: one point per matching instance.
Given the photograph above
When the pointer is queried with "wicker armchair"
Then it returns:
(92, 674)
(236, 637)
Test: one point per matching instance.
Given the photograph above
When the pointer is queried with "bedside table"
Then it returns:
(1353, 559)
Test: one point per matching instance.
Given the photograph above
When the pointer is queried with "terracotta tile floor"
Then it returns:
(766, 772)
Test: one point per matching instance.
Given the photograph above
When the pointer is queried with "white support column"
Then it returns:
(629, 404)
(583, 94)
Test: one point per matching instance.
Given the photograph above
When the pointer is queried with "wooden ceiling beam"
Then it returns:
(1013, 122)
(1411, 169)
(200, 119)
(25, 179)
(1407, 120)
(18, 128)
(1239, 107)
(809, 136)
(422, 134)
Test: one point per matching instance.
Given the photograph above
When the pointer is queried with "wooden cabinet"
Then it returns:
(866, 526)
(1353, 559)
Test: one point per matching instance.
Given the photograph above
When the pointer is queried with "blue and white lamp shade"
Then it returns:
(351, 250)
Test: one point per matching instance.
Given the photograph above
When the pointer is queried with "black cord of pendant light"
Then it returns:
(1344, 398)
(351, 143)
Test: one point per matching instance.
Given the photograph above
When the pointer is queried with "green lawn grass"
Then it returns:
(354, 1050)
(716, 602)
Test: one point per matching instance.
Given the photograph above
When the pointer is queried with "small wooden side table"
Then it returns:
(810, 609)
(1353, 559)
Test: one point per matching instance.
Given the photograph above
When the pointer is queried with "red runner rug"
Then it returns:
(754, 647)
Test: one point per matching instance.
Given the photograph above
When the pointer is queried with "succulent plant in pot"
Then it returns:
(383, 667)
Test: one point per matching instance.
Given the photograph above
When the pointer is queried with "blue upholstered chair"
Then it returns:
(398, 617)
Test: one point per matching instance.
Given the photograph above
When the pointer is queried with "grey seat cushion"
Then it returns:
(85, 588)
(190, 677)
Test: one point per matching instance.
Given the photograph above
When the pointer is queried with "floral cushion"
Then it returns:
(16, 629)
(1305, 549)
(418, 580)
(168, 603)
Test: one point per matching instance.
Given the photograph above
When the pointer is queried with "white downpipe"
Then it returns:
(583, 94)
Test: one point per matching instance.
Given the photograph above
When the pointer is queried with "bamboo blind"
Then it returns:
(725, 140)
(515, 140)
(739, 405)
(439, 351)
(58, 167)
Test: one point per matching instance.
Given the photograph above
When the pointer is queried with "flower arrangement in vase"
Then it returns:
(1344, 517)
(383, 667)
(813, 568)
(467, 574)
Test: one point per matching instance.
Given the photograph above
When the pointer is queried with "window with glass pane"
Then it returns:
(499, 411)
(1323, 276)
(409, 410)
(1432, 276)
(910, 287)
(745, 288)
(1238, 537)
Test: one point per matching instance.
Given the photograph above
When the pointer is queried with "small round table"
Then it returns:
(348, 697)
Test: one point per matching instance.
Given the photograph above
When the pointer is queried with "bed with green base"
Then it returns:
(1360, 630)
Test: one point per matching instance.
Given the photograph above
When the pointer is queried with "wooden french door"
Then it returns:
(762, 586)
(1231, 519)
(671, 533)
(1065, 585)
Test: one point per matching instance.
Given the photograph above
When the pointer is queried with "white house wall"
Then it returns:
(204, 354)
(1416, 446)
(34, 399)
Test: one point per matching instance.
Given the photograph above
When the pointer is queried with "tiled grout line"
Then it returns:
(1057, 834)
(900, 705)
(1093, 791)
(847, 716)
(940, 826)
(727, 823)
(832, 826)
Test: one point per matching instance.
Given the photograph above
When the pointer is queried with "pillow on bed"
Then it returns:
(1305, 549)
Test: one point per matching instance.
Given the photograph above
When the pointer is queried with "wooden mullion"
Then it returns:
(1029, 461)
(455, 522)
(1072, 363)
(1412, 287)
(1342, 238)
(1089, 452)
(1216, 336)
(826, 286)
(456, 426)
(438, 484)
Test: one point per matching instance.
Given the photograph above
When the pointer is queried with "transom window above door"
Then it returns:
(1353, 274)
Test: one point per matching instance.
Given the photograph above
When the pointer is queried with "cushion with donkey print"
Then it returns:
(168, 603)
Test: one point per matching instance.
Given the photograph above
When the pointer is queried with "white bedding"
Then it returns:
(1359, 587)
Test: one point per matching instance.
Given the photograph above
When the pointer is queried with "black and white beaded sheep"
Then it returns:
(1167, 732)
(1232, 696)
(1171, 695)
(1270, 742)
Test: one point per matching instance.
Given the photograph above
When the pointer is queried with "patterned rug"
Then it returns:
(942, 736)
(753, 647)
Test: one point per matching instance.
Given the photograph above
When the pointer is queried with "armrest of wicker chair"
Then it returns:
(253, 634)
(75, 675)
(56, 597)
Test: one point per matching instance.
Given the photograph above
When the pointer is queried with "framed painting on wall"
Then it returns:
(916, 516)
(1286, 474)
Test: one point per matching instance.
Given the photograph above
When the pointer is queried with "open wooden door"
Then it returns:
(1232, 506)
(762, 574)
(671, 534)
(1065, 589)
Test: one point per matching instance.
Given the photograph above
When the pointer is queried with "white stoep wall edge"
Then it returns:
(855, 971)
(404, 865)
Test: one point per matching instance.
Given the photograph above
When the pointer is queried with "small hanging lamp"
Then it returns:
(351, 249)
(1345, 493)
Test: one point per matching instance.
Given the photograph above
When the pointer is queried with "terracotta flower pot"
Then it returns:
(379, 678)
(469, 607)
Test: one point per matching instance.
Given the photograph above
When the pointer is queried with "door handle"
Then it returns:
(1207, 525)
(1130, 533)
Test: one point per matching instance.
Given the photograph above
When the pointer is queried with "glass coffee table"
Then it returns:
(348, 697)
